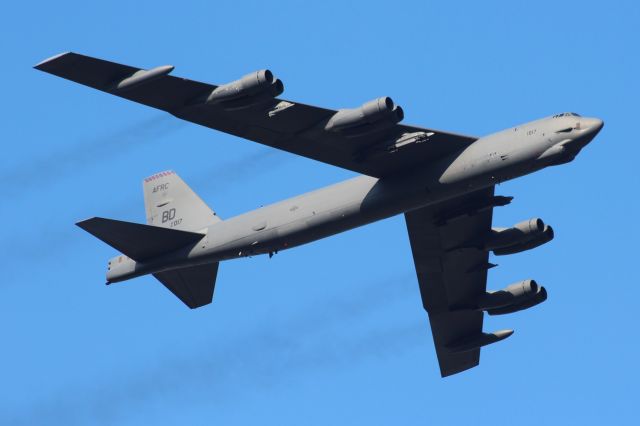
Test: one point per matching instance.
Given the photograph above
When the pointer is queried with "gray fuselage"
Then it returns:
(308, 217)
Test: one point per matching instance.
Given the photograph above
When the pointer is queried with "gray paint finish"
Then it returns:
(443, 182)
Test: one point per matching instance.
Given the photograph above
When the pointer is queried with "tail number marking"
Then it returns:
(169, 216)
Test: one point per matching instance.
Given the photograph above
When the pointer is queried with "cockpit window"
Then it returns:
(567, 114)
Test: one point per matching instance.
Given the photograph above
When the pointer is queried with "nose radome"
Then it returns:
(593, 124)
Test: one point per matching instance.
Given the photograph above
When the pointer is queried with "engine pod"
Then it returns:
(538, 240)
(372, 116)
(253, 88)
(536, 299)
(512, 294)
(520, 233)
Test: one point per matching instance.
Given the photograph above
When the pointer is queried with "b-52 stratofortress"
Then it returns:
(442, 182)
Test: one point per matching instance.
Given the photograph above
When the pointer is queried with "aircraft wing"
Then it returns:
(452, 274)
(286, 125)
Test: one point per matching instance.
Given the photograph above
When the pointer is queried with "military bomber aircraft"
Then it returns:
(442, 182)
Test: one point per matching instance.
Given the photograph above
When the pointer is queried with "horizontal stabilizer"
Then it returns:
(139, 242)
(193, 285)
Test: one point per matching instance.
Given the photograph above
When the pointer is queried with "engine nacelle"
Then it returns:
(513, 294)
(522, 236)
(540, 239)
(372, 116)
(537, 298)
(257, 87)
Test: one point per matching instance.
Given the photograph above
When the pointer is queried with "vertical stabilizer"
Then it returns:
(170, 203)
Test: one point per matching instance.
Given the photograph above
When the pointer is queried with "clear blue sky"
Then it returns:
(332, 332)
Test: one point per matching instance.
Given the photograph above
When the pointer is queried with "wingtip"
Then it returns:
(41, 65)
(81, 223)
(448, 371)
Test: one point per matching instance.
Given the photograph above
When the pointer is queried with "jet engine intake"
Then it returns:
(253, 88)
(375, 115)
(522, 236)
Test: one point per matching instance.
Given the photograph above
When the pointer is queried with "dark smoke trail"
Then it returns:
(243, 169)
(85, 153)
(261, 359)
(50, 238)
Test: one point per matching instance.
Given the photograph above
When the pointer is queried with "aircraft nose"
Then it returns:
(593, 124)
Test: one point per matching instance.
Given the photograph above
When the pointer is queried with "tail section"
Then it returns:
(175, 214)
(193, 285)
(170, 203)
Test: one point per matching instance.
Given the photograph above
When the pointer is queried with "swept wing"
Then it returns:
(452, 275)
(290, 126)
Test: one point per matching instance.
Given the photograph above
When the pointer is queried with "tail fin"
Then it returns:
(170, 203)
